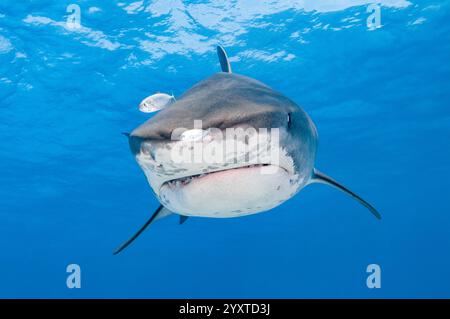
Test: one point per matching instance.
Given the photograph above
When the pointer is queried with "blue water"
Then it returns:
(70, 190)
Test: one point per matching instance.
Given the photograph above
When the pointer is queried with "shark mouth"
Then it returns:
(229, 193)
(183, 181)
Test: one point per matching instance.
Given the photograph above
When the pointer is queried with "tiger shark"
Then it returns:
(243, 183)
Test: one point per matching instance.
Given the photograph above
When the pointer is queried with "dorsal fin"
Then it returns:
(223, 59)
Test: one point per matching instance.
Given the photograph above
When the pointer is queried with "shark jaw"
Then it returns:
(228, 193)
(220, 190)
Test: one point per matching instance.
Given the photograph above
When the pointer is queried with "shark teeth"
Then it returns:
(183, 181)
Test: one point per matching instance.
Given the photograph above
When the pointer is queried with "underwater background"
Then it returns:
(71, 192)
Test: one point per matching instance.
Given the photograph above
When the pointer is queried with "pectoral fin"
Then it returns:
(158, 214)
(319, 177)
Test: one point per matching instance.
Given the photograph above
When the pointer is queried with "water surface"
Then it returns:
(70, 190)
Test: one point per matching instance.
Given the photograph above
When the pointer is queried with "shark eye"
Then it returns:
(289, 120)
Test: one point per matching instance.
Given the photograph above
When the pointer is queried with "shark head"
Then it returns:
(230, 146)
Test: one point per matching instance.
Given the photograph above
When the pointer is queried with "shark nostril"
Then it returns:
(140, 146)
(147, 149)
(135, 144)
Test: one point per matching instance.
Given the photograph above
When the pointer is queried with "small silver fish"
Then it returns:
(156, 102)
